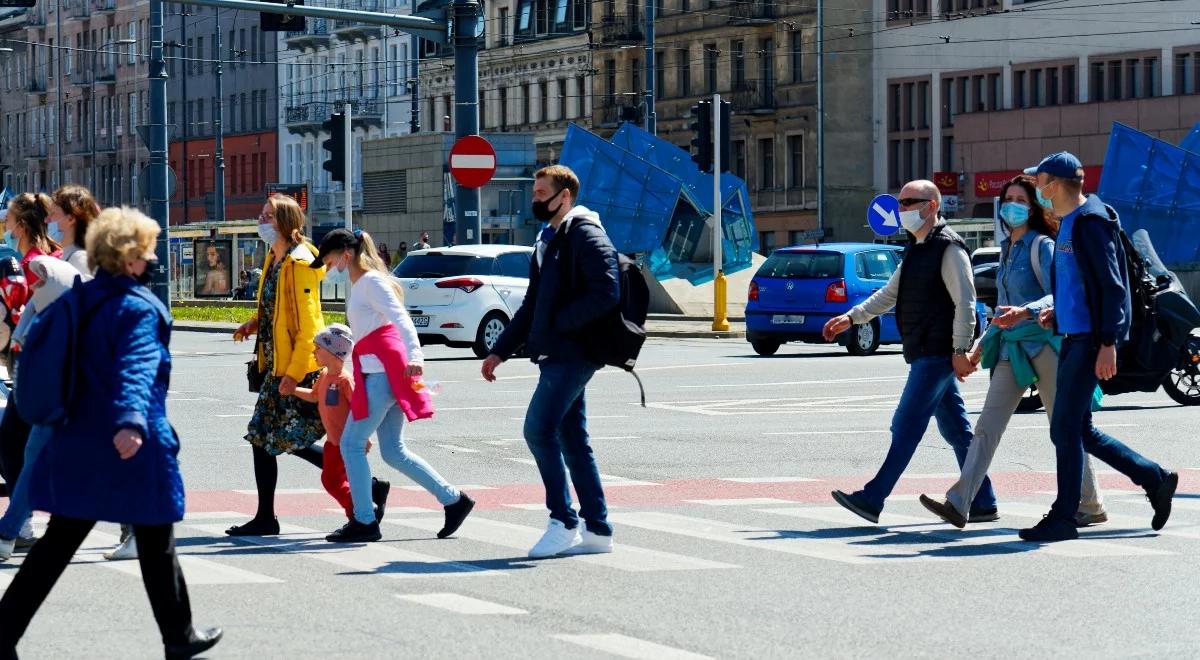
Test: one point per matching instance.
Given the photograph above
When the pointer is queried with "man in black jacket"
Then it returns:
(572, 282)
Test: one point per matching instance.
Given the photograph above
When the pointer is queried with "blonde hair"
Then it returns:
(367, 258)
(119, 235)
(289, 217)
(78, 202)
(30, 211)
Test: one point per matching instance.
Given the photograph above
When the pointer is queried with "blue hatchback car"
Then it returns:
(798, 289)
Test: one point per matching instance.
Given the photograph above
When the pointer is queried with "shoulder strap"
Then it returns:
(1035, 255)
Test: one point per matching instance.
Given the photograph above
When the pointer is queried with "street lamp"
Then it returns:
(92, 92)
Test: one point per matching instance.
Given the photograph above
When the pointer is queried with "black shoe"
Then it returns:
(8, 654)
(356, 532)
(984, 515)
(1160, 499)
(945, 511)
(857, 504)
(379, 495)
(455, 515)
(201, 641)
(1050, 530)
(256, 527)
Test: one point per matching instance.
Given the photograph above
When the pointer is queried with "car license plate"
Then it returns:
(421, 321)
(780, 319)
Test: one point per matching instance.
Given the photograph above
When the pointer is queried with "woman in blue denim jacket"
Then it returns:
(1017, 350)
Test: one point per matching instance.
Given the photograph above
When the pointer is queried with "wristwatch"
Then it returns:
(961, 352)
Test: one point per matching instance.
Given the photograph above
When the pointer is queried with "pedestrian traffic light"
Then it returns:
(282, 22)
(336, 146)
(702, 143)
(722, 137)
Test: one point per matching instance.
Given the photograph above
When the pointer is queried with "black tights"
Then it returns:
(266, 476)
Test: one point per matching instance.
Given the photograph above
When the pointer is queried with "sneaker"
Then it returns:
(6, 548)
(127, 549)
(1160, 499)
(858, 504)
(455, 515)
(984, 515)
(592, 544)
(557, 540)
(1050, 530)
(945, 511)
(25, 542)
(356, 532)
(379, 495)
(1088, 519)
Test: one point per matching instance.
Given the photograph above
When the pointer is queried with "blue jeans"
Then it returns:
(931, 391)
(1072, 430)
(556, 432)
(19, 510)
(386, 419)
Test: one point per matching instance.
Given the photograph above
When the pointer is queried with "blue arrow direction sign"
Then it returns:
(883, 215)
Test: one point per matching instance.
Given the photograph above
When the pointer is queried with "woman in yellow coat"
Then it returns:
(289, 317)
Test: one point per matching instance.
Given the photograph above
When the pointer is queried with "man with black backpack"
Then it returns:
(1093, 312)
(573, 284)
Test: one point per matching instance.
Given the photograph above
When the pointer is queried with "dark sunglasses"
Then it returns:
(913, 201)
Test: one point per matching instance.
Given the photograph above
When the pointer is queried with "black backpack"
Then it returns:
(616, 338)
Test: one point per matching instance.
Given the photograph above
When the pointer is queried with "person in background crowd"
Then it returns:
(115, 458)
(422, 244)
(388, 387)
(72, 210)
(1093, 312)
(400, 254)
(384, 255)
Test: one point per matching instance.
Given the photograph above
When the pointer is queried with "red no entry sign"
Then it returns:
(472, 161)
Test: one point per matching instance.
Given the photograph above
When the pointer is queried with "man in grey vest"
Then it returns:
(933, 293)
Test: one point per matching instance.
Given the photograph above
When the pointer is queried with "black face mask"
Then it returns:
(542, 211)
(147, 275)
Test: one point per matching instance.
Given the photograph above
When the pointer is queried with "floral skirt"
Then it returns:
(284, 424)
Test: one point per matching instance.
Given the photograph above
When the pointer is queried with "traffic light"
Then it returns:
(723, 137)
(336, 146)
(702, 143)
(281, 22)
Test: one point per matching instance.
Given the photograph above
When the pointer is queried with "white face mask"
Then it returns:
(912, 220)
(268, 233)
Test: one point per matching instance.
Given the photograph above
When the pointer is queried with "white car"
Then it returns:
(464, 296)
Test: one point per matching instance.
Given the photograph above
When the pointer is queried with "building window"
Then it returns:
(710, 68)
(739, 159)
(766, 242)
(737, 64)
(948, 152)
(1019, 100)
(503, 107)
(544, 99)
(1070, 86)
(1131, 77)
(581, 90)
(504, 26)
(660, 73)
(995, 92)
(610, 79)
(796, 161)
(797, 56)
(683, 72)
(562, 99)
(766, 164)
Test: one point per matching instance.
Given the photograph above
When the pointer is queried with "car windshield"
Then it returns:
(437, 265)
(803, 265)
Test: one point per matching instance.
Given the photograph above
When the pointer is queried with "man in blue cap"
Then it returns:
(1092, 310)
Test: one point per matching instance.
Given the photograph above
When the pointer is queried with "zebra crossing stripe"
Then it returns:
(630, 647)
(373, 558)
(197, 570)
(519, 537)
(460, 604)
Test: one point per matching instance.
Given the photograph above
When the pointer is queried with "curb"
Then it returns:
(228, 328)
(202, 326)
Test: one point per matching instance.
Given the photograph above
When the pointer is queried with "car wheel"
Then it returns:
(764, 347)
(1183, 383)
(863, 339)
(490, 329)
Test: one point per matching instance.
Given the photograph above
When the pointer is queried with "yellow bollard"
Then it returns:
(720, 320)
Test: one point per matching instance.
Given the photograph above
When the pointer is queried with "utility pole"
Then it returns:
(720, 322)
(58, 85)
(652, 83)
(821, 115)
(466, 110)
(187, 125)
(219, 160)
(157, 170)
(414, 120)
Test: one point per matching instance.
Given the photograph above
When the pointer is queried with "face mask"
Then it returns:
(1044, 201)
(1015, 214)
(11, 241)
(147, 275)
(912, 221)
(268, 233)
(542, 211)
(53, 231)
(338, 274)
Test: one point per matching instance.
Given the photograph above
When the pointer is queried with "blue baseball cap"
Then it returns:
(1063, 165)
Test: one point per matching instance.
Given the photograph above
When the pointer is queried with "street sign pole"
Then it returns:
(720, 322)
(348, 167)
(466, 111)
(157, 170)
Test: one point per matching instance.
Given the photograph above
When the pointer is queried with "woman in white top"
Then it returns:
(74, 208)
(388, 365)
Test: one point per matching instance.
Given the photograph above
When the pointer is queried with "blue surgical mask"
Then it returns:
(1046, 203)
(54, 232)
(11, 241)
(1015, 214)
(268, 233)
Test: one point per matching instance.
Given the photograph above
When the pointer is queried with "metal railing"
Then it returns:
(36, 84)
(315, 30)
(104, 6)
(752, 95)
(617, 29)
(752, 12)
(80, 9)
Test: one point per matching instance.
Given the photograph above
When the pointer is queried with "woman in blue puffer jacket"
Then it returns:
(115, 458)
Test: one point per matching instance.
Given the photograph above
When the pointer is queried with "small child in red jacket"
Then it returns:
(332, 393)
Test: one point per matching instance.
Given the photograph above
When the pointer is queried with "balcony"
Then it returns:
(353, 30)
(80, 9)
(106, 141)
(756, 12)
(365, 112)
(614, 111)
(36, 17)
(81, 145)
(314, 35)
(104, 6)
(36, 85)
(82, 75)
(38, 151)
(616, 30)
(306, 119)
(753, 96)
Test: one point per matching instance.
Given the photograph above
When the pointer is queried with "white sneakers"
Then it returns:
(559, 540)
(6, 548)
(126, 550)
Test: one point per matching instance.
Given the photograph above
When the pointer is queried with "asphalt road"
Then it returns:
(727, 542)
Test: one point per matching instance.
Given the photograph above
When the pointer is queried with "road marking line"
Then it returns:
(610, 480)
(767, 480)
(613, 437)
(605, 372)
(745, 501)
(463, 450)
(503, 443)
(198, 570)
(369, 558)
(520, 537)
(460, 604)
(212, 515)
(630, 647)
(878, 379)
(406, 510)
(864, 432)
(483, 408)
(235, 415)
(932, 475)
(750, 537)
(527, 507)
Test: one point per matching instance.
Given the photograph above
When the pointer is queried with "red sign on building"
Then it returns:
(989, 184)
(946, 182)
